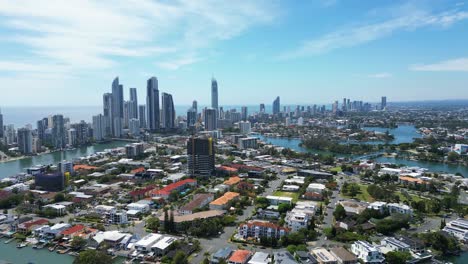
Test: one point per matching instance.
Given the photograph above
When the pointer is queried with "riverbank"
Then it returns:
(11, 168)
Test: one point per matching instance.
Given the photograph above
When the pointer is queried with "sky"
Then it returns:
(55, 53)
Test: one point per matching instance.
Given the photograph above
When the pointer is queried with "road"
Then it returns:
(214, 244)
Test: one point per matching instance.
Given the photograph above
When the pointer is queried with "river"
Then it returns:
(15, 166)
(403, 134)
(9, 253)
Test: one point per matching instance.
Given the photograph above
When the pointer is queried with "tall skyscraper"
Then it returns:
(127, 113)
(383, 104)
(1, 126)
(276, 106)
(134, 127)
(133, 103)
(262, 108)
(24, 141)
(42, 126)
(99, 128)
(191, 117)
(142, 115)
(58, 132)
(244, 113)
(195, 105)
(117, 108)
(107, 112)
(214, 94)
(201, 156)
(152, 104)
(168, 111)
(210, 119)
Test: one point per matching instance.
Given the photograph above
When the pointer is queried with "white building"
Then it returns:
(458, 228)
(161, 247)
(392, 208)
(461, 149)
(54, 231)
(367, 252)
(323, 256)
(389, 244)
(20, 187)
(260, 258)
(245, 127)
(141, 208)
(277, 200)
(390, 171)
(290, 188)
(146, 243)
(296, 180)
(300, 216)
(316, 187)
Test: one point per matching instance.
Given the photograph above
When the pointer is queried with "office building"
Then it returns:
(72, 138)
(51, 182)
(168, 111)
(152, 104)
(214, 94)
(66, 166)
(25, 141)
(201, 156)
(117, 108)
(10, 134)
(99, 127)
(126, 117)
(42, 125)
(262, 108)
(142, 116)
(244, 113)
(134, 150)
(276, 106)
(58, 132)
(133, 104)
(244, 127)
(211, 122)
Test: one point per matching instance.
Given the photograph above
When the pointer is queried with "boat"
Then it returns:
(63, 251)
(22, 245)
(52, 248)
(9, 240)
(74, 254)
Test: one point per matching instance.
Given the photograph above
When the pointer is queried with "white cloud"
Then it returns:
(361, 34)
(178, 62)
(454, 65)
(380, 75)
(87, 35)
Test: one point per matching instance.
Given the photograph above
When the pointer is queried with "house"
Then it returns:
(277, 200)
(257, 229)
(29, 226)
(305, 257)
(140, 208)
(366, 252)
(389, 244)
(240, 257)
(300, 216)
(50, 232)
(353, 207)
(316, 187)
(221, 254)
(315, 174)
(323, 256)
(161, 247)
(199, 200)
(260, 258)
(290, 188)
(222, 202)
(313, 196)
(58, 209)
(295, 180)
(284, 257)
(70, 232)
(232, 181)
(343, 256)
(111, 238)
(458, 228)
(144, 245)
(182, 220)
(141, 193)
(392, 208)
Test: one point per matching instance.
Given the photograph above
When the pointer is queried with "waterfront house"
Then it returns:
(366, 252)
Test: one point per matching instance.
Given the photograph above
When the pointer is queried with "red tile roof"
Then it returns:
(240, 256)
(173, 186)
(40, 221)
(84, 167)
(245, 167)
(138, 192)
(138, 170)
(72, 230)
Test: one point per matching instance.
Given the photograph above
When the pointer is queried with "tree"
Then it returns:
(152, 223)
(59, 197)
(78, 242)
(339, 212)
(92, 257)
(453, 156)
(180, 258)
(395, 257)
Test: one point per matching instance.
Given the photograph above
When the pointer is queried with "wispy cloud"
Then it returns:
(380, 75)
(176, 63)
(87, 35)
(454, 65)
(364, 33)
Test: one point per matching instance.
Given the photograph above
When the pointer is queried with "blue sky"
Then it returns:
(316, 51)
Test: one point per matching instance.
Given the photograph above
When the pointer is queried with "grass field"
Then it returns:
(293, 195)
(363, 194)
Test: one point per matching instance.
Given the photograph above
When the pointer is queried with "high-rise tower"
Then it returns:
(152, 104)
(214, 94)
(168, 111)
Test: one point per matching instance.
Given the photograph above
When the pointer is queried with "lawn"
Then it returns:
(337, 169)
(363, 194)
(413, 197)
(293, 195)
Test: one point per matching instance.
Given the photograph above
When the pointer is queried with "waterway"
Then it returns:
(403, 134)
(9, 253)
(15, 166)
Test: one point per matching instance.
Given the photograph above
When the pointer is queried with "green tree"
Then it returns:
(152, 223)
(59, 197)
(453, 156)
(180, 258)
(92, 257)
(78, 242)
(395, 257)
(339, 212)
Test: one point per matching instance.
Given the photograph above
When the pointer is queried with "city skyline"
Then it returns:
(397, 48)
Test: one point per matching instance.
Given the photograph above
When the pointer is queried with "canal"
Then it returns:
(15, 166)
